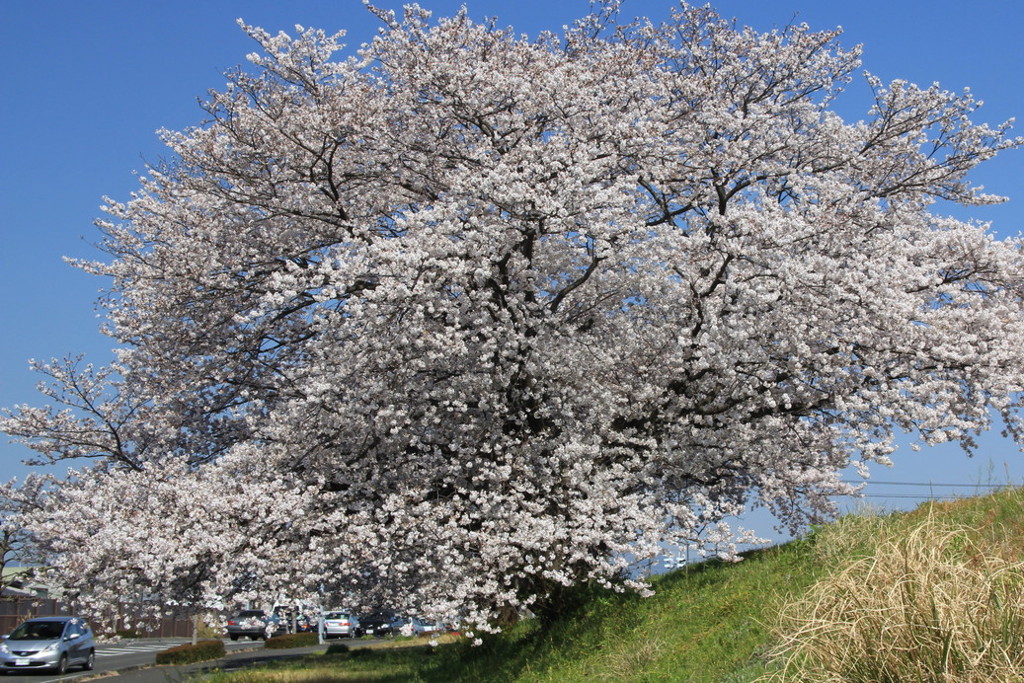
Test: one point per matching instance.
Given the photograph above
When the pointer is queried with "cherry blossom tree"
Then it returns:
(461, 318)
(16, 547)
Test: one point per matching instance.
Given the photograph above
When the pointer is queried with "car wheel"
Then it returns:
(62, 665)
(233, 636)
(90, 661)
(254, 637)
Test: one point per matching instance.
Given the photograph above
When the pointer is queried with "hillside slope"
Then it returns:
(714, 622)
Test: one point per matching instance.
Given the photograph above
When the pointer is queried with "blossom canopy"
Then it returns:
(464, 318)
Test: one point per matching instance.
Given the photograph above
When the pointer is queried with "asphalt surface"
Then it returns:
(233, 660)
(139, 668)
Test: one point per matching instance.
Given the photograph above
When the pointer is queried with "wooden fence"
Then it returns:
(13, 611)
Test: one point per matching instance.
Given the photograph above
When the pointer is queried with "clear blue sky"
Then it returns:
(87, 84)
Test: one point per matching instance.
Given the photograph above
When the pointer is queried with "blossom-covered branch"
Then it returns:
(462, 318)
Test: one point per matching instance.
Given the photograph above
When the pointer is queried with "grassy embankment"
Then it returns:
(935, 594)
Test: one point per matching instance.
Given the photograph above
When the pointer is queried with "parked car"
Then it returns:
(303, 623)
(414, 626)
(289, 618)
(423, 626)
(281, 619)
(55, 643)
(277, 624)
(380, 623)
(338, 624)
(251, 623)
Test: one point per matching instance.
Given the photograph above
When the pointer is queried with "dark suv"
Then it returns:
(248, 622)
(380, 623)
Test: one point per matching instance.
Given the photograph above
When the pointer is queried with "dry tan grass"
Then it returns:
(853, 536)
(632, 660)
(927, 606)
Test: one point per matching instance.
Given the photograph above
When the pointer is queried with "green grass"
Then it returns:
(714, 622)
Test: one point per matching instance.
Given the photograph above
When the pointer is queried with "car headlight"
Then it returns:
(52, 647)
(4, 649)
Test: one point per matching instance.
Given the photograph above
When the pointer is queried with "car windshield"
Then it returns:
(38, 630)
(250, 613)
(336, 615)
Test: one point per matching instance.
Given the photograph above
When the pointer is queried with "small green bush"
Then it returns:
(287, 640)
(188, 653)
(337, 649)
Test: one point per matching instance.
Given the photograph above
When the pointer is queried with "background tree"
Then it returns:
(464, 318)
(16, 546)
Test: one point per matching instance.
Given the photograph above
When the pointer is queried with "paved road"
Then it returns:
(234, 660)
(130, 655)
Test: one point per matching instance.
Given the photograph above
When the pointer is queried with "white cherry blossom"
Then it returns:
(459, 320)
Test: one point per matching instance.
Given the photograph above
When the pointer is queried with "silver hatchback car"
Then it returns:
(55, 643)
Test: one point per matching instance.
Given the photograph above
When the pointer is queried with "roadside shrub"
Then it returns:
(287, 640)
(188, 653)
(337, 649)
(934, 606)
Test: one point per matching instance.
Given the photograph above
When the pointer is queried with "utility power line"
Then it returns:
(916, 496)
(927, 483)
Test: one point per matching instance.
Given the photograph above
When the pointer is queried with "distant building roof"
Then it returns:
(21, 582)
(12, 592)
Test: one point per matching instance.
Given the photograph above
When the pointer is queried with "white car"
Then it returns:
(340, 624)
(414, 626)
